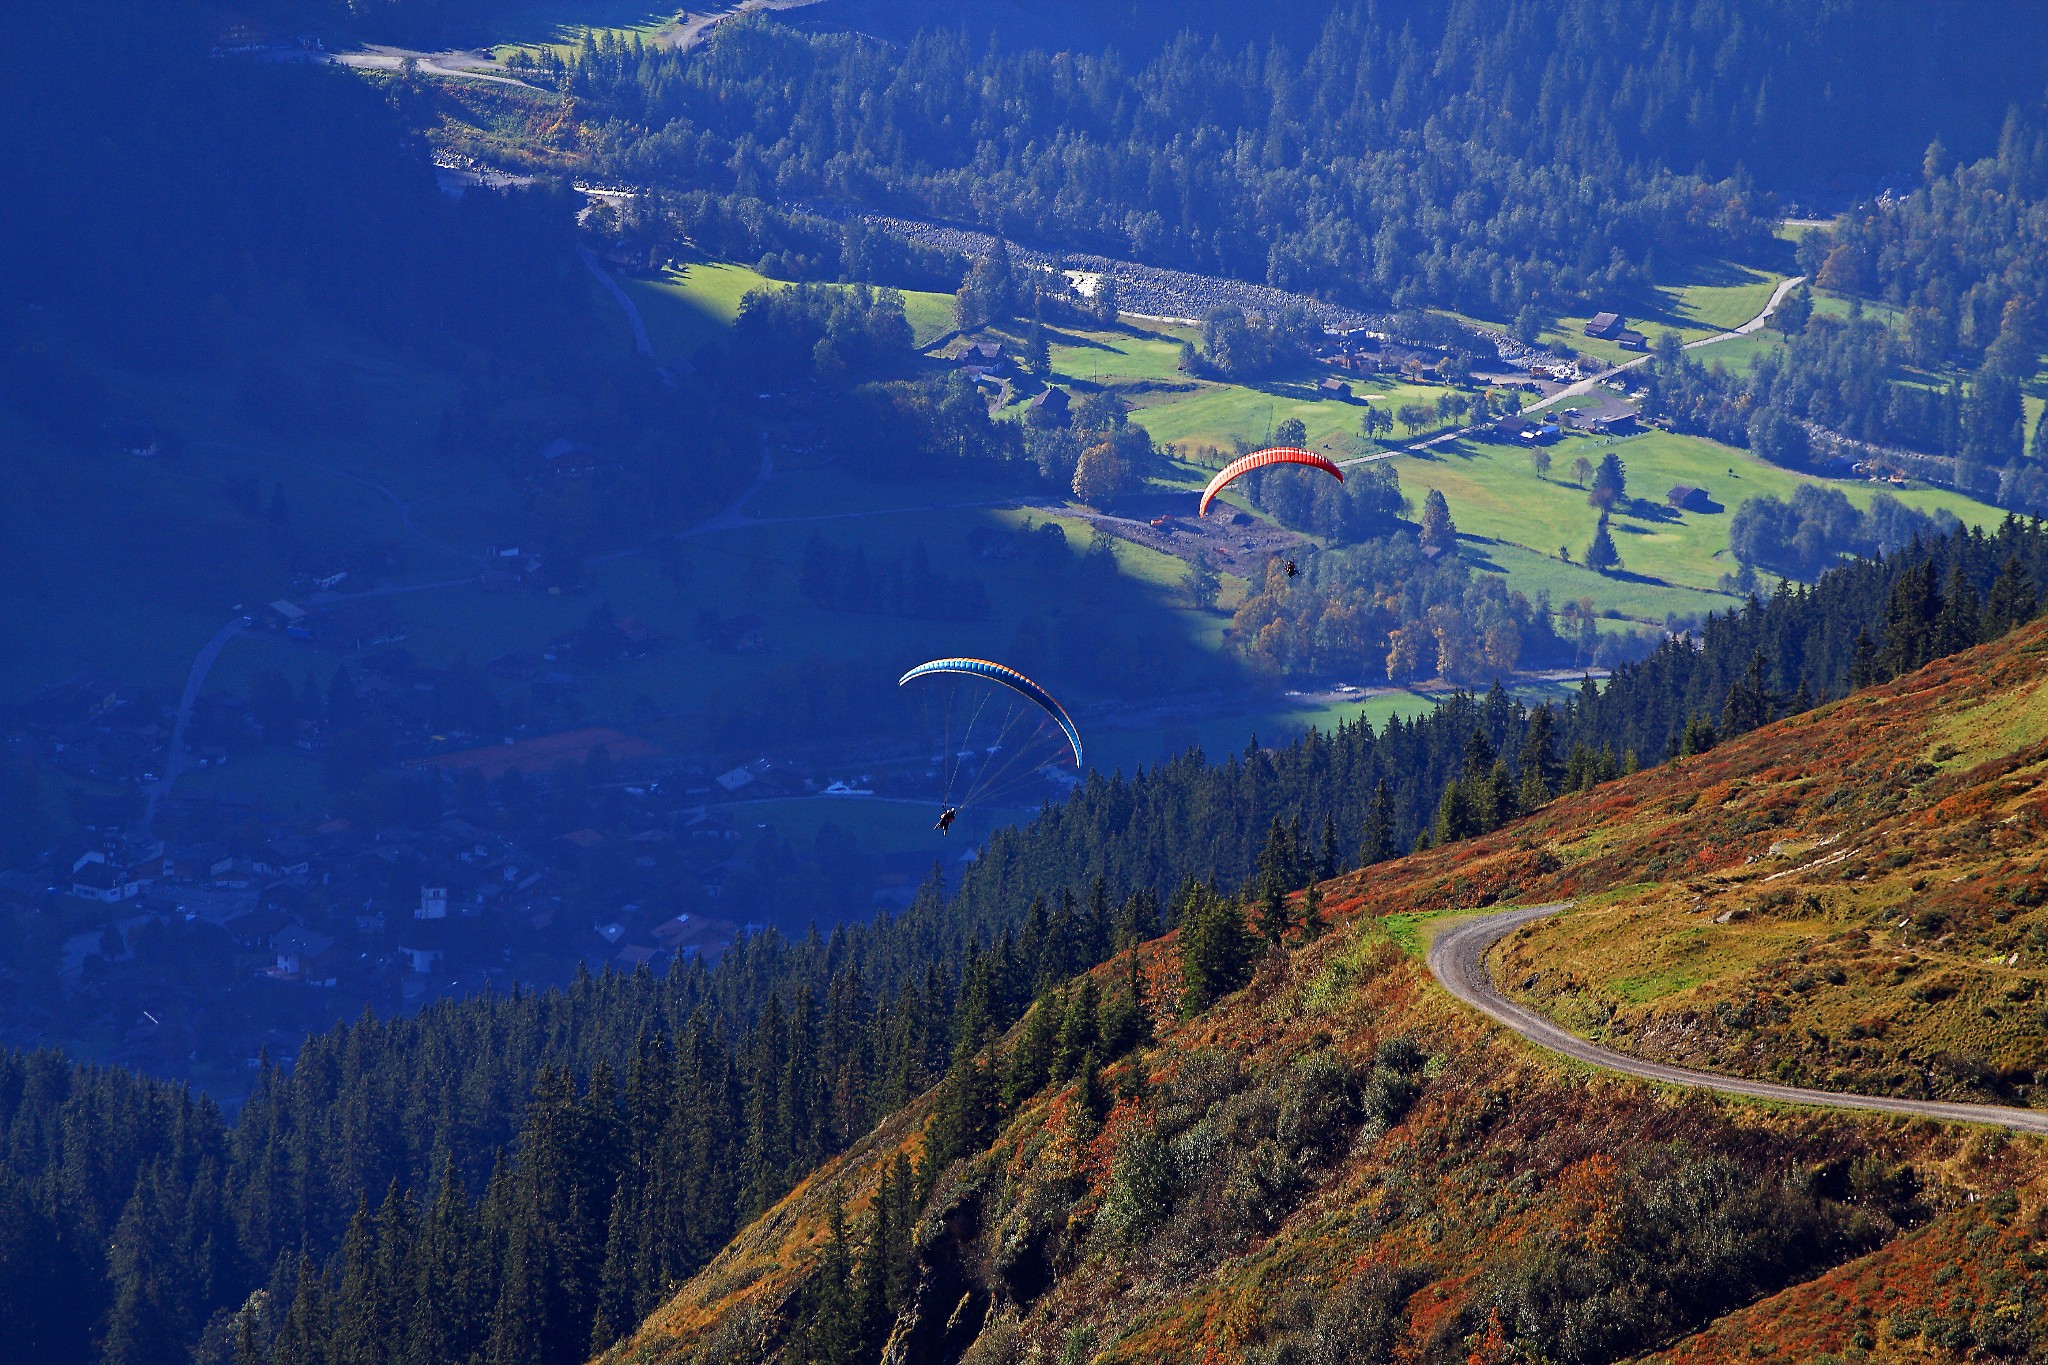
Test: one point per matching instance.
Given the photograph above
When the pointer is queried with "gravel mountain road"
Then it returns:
(1458, 960)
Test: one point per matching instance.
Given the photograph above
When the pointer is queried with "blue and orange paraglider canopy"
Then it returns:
(1262, 459)
(994, 728)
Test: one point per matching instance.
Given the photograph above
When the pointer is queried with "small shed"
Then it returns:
(1686, 498)
(1333, 387)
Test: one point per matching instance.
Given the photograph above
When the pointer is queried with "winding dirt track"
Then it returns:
(1458, 959)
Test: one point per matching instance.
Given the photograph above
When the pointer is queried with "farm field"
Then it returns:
(1741, 353)
(1671, 562)
(691, 306)
(1707, 298)
(1218, 414)
(561, 24)
(755, 571)
(1670, 565)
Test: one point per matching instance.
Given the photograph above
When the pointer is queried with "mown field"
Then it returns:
(691, 306)
(1707, 298)
(1670, 559)
(561, 24)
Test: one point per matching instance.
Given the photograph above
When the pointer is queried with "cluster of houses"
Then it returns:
(1363, 353)
(353, 624)
(319, 916)
(92, 730)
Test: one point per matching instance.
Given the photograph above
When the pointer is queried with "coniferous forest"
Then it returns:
(1490, 155)
(519, 1178)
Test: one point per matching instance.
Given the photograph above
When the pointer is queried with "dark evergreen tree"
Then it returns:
(1750, 704)
(2012, 602)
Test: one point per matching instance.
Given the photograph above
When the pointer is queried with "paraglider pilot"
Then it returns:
(1291, 570)
(946, 818)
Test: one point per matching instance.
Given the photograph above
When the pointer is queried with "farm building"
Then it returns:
(1606, 326)
(981, 358)
(1052, 404)
(1686, 498)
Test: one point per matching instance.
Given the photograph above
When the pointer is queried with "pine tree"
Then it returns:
(1750, 704)
(1091, 1101)
(1312, 921)
(1377, 843)
(1439, 533)
(1328, 860)
(1216, 950)
(831, 1331)
(1272, 913)
(963, 1117)
(1958, 624)
(1601, 556)
(1610, 485)
(1137, 920)
(1030, 1064)
(1539, 748)
(1079, 1028)
(1123, 1015)
(1909, 620)
(1456, 814)
(1479, 754)
(1502, 799)
(2013, 601)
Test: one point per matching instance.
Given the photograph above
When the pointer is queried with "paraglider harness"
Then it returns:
(946, 818)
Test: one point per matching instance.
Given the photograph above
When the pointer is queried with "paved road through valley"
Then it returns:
(1458, 959)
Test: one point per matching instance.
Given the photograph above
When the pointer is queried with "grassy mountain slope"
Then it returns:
(1337, 1163)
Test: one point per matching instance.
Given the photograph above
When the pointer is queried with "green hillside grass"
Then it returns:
(1705, 298)
(1216, 415)
(561, 24)
(691, 306)
(1494, 493)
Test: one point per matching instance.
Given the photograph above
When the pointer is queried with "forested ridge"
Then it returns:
(1486, 154)
(516, 1178)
